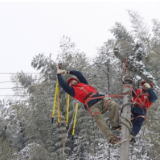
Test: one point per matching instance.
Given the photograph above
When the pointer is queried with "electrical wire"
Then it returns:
(17, 73)
(26, 95)
(14, 81)
(24, 88)
(12, 88)
(8, 81)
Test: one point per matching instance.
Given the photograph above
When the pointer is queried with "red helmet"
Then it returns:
(72, 78)
(151, 84)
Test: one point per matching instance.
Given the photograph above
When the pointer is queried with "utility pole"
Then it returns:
(125, 133)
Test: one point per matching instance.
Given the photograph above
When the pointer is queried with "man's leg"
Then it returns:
(132, 114)
(100, 120)
(113, 113)
(137, 124)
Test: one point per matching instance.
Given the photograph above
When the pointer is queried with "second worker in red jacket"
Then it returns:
(146, 96)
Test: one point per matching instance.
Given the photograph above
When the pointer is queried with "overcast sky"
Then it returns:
(27, 29)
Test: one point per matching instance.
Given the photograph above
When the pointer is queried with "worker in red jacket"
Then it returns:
(142, 102)
(79, 89)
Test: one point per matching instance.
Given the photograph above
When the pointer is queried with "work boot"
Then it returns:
(132, 138)
(116, 128)
(114, 140)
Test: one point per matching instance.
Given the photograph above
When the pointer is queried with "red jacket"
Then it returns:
(143, 98)
(82, 90)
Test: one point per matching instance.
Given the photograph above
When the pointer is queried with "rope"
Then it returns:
(94, 141)
(122, 141)
(119, 95)
(125, 106)
(62, 141)
(128, 121)
(67, 134)
(127, 127)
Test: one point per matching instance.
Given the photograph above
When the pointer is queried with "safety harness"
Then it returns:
(142, 104)
(89, 97)
(91, 94)
(120, 95)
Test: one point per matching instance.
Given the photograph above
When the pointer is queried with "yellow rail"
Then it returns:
(54, 104)
(75, 116)
(59, 118)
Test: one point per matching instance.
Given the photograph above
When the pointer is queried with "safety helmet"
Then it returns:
(72, 78)
(151, 84)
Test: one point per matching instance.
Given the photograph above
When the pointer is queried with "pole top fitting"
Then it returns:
(128, 80)
(116, 50)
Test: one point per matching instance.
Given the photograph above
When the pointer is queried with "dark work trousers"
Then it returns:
(137, 123)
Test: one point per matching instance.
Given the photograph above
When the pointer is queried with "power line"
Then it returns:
(17, 73)
(8, 81)
(27, 95)
(15, 81)
(29, 86)
(14, 95)
(12, 88)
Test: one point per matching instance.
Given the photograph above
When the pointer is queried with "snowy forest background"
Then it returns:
(26, 131)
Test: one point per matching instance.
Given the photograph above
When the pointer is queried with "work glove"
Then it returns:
(60, 71)
(147, 85)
